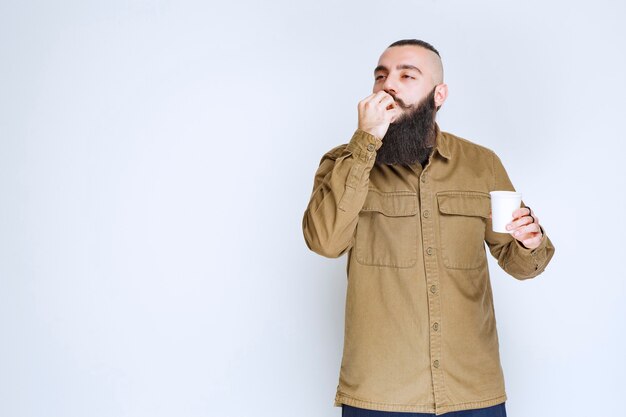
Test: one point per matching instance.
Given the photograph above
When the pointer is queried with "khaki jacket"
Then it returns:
(420, 326)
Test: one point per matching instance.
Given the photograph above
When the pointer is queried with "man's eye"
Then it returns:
(404, 76)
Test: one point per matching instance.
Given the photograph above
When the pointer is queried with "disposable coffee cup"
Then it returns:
(503, 204)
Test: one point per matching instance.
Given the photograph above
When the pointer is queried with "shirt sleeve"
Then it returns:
(516, 259)
(339, 191)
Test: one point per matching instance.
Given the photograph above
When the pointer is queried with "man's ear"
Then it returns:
(441, 93)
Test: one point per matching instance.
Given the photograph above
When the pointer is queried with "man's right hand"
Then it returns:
(376, 112)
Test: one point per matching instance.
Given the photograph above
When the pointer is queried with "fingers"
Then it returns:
(376, 112)
(520, 222)
(381, 104)
(376, 98)
(380, 96)
(522, 216)
(522, 211)
(529, 229)
(386, 100)
(525, 228)
(365, 101)
(529, 235)
(388, 103)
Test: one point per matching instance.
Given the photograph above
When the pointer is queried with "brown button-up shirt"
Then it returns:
(420, 327)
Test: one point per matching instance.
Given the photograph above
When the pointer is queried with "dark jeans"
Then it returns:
(498, 410)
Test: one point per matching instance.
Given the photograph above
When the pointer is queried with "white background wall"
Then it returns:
(156, 158)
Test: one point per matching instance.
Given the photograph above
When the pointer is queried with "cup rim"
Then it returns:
(506, 193)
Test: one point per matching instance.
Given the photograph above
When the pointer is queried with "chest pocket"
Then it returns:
(386, 234)
(463, 218)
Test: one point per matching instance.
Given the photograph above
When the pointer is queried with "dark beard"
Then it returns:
(411, 138)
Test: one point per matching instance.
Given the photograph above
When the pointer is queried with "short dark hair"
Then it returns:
(415, 42)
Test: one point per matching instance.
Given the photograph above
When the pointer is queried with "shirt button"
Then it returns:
(426, 213)
(371, 147)
(436, 364)
(423, 178)
(433, 289)
(429, 251)
(436, 326)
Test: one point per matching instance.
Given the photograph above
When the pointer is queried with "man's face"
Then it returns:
(409, 73)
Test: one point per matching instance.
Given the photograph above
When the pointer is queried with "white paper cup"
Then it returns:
(503, 204)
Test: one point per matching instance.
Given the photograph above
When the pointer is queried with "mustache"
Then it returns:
(401, 103)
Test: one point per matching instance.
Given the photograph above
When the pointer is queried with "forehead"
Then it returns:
(406, 54)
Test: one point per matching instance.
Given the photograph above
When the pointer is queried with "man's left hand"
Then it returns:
(524, 229)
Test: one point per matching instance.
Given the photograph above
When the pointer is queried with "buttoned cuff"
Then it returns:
(538, 255)
(364, 145)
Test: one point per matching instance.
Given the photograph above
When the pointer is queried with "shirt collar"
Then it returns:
(441, 143)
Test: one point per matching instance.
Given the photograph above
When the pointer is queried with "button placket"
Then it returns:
(432, 283)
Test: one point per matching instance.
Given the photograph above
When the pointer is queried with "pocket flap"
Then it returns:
(465, 203)
(400, 203)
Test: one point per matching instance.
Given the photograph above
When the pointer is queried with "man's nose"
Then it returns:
(389, 86)
(392, 93)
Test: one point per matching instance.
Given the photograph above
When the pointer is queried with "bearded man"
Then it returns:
(410, 205)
